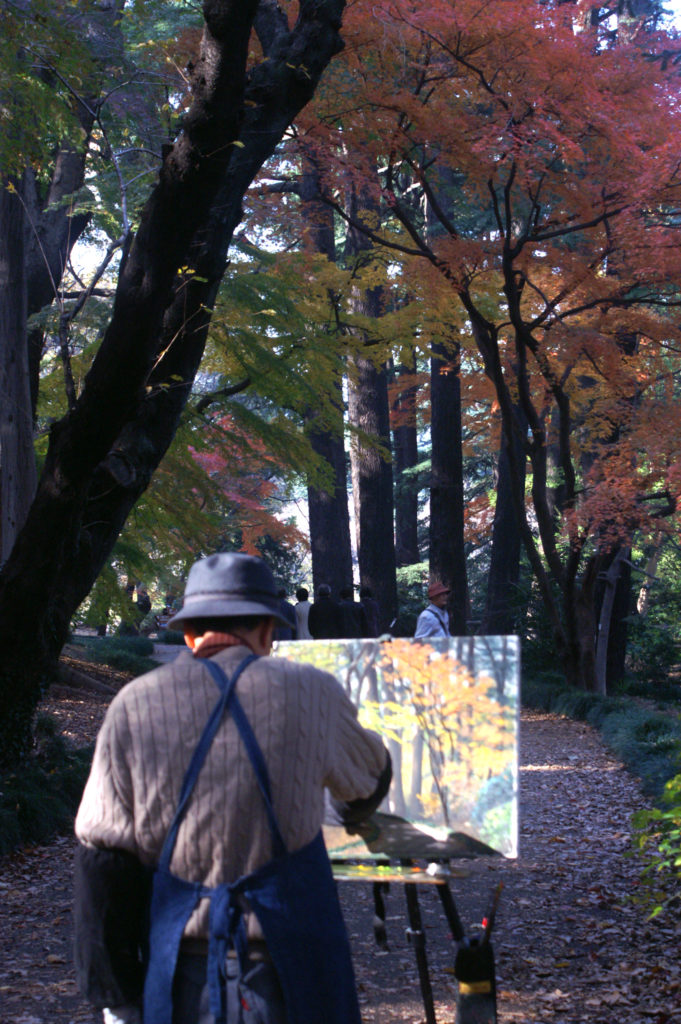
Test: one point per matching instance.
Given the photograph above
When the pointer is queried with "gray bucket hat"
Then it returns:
(228, 584)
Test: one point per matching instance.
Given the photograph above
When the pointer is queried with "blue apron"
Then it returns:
(293, 897)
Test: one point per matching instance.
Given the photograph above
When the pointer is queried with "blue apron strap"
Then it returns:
(254, 753)
(174, 899)
(198, 757)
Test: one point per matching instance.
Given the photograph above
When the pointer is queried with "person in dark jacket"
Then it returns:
(353, 619)
(285, 630)
(325, 620)
(143, 601)
(371, 611)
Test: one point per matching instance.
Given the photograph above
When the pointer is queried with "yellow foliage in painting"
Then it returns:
(467, 731)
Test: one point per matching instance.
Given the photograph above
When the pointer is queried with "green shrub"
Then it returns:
(652, 648)
(665, 690)
(658, 835)
(132, 654)
(40, 797)
(133, 664)
(171, 636)
(139, 645)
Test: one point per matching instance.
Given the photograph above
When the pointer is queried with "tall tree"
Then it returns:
(369, 414)
(330, 541)
(102, 453)
(502, 598)
(405, 460)
(447, 554)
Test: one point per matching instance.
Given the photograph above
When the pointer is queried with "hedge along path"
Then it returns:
(571, 943)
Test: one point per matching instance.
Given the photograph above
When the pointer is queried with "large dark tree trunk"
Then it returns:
(613, 597)
(405, 459)
(17, 460)
(447, 553)
(102, 454)
(368, 410)
(330, 542)
(328, 512)
(501, 610)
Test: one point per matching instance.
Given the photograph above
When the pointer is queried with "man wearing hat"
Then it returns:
(209, 776)
(434, 620)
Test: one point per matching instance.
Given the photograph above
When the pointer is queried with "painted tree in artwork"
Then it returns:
(567, 291)
(447, 710)
(467, 731)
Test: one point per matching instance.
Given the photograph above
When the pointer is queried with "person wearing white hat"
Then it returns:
(434, 619)
(209, 777)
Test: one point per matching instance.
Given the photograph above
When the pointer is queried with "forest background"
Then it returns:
(422, 263)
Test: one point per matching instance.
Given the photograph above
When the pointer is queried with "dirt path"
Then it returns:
(571, 943)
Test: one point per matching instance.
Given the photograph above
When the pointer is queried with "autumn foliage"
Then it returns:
(524, 161)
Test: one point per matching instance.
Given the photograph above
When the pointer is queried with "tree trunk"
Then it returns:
(329, 517)
(501, 611)
(447, 554)
(613, 598)
(17, 460)
(368, 410)
(405, 459)
(653, 558)
(328, 512)
(102, 454)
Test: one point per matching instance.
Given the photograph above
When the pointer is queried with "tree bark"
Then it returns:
(447, 554)
(17, 460)
(369, 412)
(613, 598)
(501, 610)
(330, 542)
(328, 507)
(328, 512)
(405, 459)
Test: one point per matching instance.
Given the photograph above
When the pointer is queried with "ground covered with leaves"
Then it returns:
(572, 940)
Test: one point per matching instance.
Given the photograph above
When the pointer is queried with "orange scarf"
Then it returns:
(213, 643)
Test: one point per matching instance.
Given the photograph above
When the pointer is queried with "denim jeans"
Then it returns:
(254, 998)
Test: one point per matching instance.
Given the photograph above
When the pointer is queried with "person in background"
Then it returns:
(285, 629)
(128, 627)
(353, 619)
(302, 610)
(250, 742)
(371, 610)
(434, 619)
(325, 615)
(143, 601)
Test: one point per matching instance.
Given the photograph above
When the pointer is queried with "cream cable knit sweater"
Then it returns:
(309, 734)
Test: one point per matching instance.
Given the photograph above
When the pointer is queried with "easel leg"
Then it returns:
(451, 913)
(418, 941)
